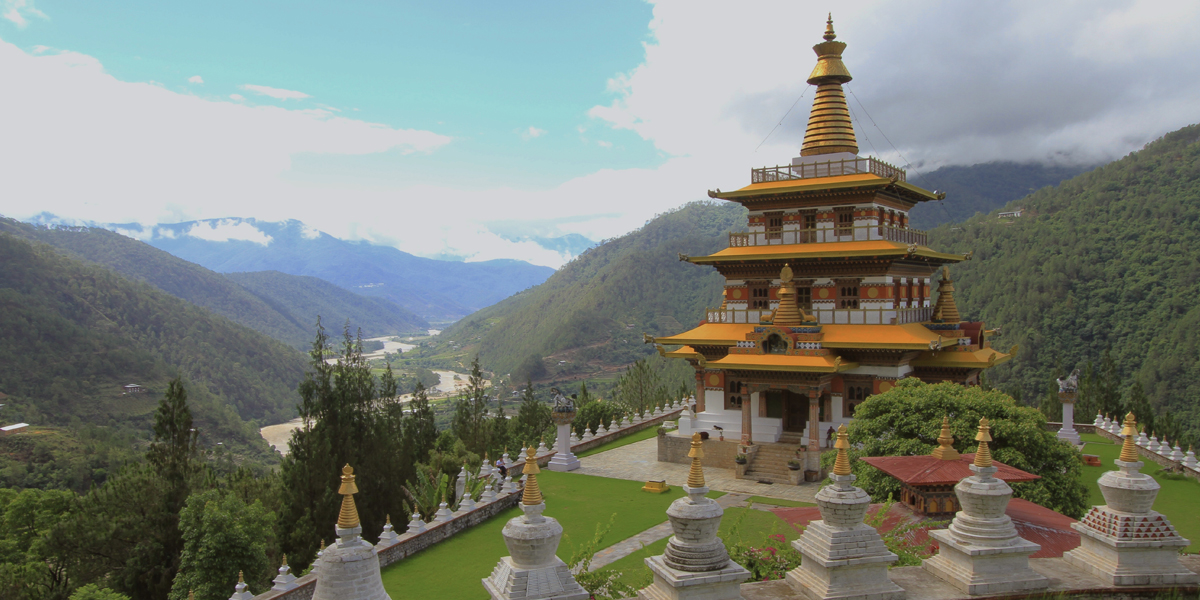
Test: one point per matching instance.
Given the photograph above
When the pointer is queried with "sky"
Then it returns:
(469, 129)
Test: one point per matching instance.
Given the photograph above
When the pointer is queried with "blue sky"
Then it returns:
(469, 129)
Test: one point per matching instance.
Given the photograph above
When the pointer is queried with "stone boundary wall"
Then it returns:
(1080, 427)
(409, 544)
(717, 453)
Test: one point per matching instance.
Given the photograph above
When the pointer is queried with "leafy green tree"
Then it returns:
(1139, 405)
(533, 419)
(640, 388)
(906, 420)
(471, 423)
(223, 536)
(31, 566)
(92, 591)
(420, 428)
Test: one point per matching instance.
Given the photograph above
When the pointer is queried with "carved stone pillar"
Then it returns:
(1067, 432)
(813, 456)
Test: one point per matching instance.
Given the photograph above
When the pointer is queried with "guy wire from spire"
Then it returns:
(785, 115)
(863, 126)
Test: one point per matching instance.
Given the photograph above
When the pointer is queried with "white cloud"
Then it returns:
(309, 232)
(164, 232)
(19, 11)
(604, 144)
(532, 132)
(237, 97)
(227, 230)
(277, 93)
(196, 79)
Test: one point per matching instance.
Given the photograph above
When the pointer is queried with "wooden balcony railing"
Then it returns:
(827, 169)
(838, 316)
(857, 233)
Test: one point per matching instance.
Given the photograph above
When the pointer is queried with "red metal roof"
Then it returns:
(1034, 522)
(928, 470)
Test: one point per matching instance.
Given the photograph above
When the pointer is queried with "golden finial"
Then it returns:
(983, 455)
(696, 473)
(348, 517)
(191, 595)
(1129, 451)
(240, 579)
(388, 520)
(533, 494)
(786, 274)
(841, 466)
(724, 299)
(284, 564)
(322, 548)
(945, 449)
(829, 34)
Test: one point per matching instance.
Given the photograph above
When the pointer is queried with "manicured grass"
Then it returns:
(778, 501)
(1176, 499)
(454, 568)
(644, 434)
(753, 529)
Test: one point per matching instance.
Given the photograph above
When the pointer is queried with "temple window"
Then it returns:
(733, 395)
(774, 225)
(808, 234)
(760, 295)
(848, 295)
(804, 297)
(845, 221)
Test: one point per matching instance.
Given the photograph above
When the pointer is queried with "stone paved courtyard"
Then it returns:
(639, 462)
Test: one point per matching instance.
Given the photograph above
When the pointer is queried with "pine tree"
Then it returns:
(533, 419)
(470, 422)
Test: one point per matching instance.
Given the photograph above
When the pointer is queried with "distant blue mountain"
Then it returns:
(434, 289)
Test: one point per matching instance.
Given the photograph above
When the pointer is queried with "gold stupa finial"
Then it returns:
(533, 494)
(284, 564)
(1129, 451)
(946, 310)
(841, 466)
(945, 449)
(240, 578)
(724, 298)
(788, 313)
(348, 517)
(191, 595)
(829, 128)
(696, 473)
(983, 455)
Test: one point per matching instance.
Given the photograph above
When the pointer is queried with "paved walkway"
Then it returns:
(663, 530)
(639, 462)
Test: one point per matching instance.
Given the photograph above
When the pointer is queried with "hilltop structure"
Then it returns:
(828, 294)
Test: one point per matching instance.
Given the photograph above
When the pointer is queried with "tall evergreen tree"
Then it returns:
(471, 423)
(420, 428)
(533, 419)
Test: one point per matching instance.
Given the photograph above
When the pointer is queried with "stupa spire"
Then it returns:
(532, 494)
(829, 128)
(348, 517)
(945, 449)
(696, 473)
(946, 311)
(1129, 451)
(983, 456)
(841, 466)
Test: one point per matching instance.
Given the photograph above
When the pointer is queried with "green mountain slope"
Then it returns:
(1109, 259)
(593, 311)
(72, 333)
(283, 307)
(982, 188)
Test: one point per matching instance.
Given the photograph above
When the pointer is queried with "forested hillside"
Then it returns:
(594, 309)
(1107, 260)
(73, 333)
(982, 188)
(284, 307)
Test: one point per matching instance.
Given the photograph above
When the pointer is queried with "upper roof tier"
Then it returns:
(812, 179)
(836, 250)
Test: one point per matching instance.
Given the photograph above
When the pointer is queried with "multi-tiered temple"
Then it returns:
(828, 295)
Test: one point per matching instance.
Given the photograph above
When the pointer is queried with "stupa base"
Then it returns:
(549, 582)
(563, 462)
(843, 564)
(672, 584)
(1142, 561)
(981, 570)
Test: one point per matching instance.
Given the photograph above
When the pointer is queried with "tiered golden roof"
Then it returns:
(841, 466)
(829, 128)
(983, 456)
(1129, 451)
(533, 494)
(348, 517)
(945, 449)
(946, 311)
(696, 473)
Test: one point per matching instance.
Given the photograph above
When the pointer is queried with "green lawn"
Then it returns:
(778, 501)
(454, 568)
(753, 528)
(1176, 500)
(644, 434)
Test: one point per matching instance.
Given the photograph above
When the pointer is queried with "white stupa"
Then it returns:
(349, 569)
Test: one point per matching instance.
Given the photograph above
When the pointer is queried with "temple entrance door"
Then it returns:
(795, 412)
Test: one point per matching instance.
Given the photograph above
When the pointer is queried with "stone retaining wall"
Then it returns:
(717, 453)
(1153, 457)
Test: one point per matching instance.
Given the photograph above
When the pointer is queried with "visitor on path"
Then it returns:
(829, 437)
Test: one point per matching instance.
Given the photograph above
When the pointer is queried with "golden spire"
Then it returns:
(983, 455)
(945, 449)
(829, 128)
(348, 517)
(696, 473)
(284, 564)
(191, 595)
(1129, 451)
(240, 579)
(841, 466)
(788, 313)
(945, 303)
(724, 298)
(533, 494)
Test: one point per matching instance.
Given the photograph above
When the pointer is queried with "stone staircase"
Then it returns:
(794, 438)
(770, 463)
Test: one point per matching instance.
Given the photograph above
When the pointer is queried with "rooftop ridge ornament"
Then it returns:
(983, 456)
(348, 517)
(829, 128)
(841, 466)
(945, 449)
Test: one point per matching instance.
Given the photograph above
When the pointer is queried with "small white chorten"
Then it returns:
(349, 569)
(284, 581)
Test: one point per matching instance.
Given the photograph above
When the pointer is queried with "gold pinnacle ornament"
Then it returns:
(348, 517)
(983, 456)
(1129, 451)
(788, 313)
(945, 449)
(532, 494)
(284, 563)
(240, 579)
(696, 473)
(829, 128)
(841, 466)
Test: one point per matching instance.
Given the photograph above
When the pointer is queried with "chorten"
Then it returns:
(1124, 542)
(843, 557)
(349, 569)
(532, 571)
(695, 564)
(981, 552)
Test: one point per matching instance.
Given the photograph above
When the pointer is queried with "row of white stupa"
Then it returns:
(1152, 443)
(1124, 542)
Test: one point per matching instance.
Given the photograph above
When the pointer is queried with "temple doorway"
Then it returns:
(795, 411)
